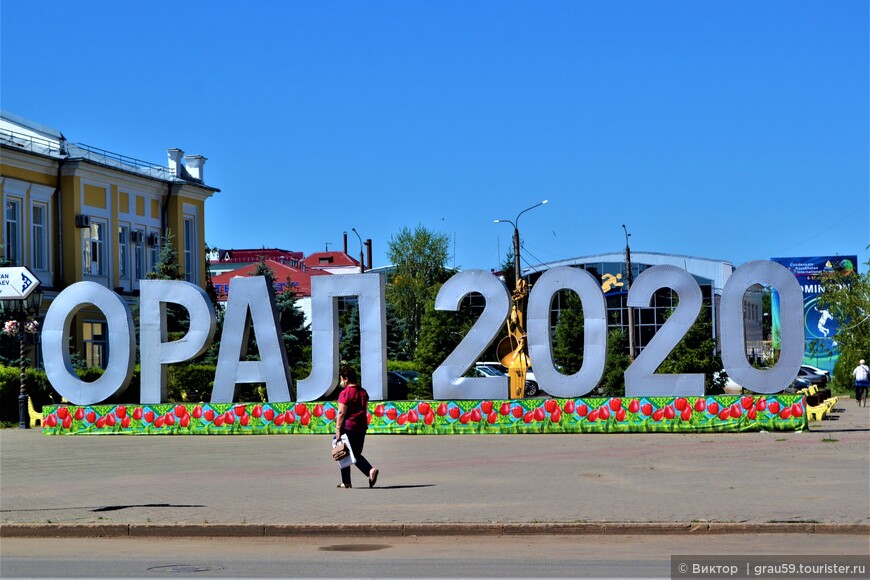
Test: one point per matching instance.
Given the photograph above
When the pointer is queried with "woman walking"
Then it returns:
(352, 421)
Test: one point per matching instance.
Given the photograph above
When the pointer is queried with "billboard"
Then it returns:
(820, 328)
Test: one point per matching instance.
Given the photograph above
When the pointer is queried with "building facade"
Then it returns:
(75, 213)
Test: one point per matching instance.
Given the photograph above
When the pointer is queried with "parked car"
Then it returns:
(492, 369)
(812, 376)
(818, 371)
(796, 385)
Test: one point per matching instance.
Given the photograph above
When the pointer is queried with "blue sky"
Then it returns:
(732, 129)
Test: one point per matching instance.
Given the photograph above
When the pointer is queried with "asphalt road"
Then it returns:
(432, 557)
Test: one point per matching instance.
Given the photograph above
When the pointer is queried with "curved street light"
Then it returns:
(515, 224)
(362, 267)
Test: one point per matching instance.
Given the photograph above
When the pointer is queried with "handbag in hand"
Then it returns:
(339, 451)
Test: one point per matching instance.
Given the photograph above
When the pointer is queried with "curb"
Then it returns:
(16, 530)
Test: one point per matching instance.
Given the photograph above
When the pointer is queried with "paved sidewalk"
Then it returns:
(254, 482)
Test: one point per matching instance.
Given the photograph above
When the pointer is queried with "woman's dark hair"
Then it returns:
(348, 373)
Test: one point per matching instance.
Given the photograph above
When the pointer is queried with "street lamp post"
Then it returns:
(515, 225)
(22, 310)
(362, 267)
(630, 309)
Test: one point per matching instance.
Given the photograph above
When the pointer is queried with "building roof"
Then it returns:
(329, 260)
(299, 280)
(255, 255)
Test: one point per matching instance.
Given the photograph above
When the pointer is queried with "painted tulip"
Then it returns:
(615, 403)
(751, 413)
(455, 412)
(529, 417)
(761, 405)
(747, 402)
(620, 415)
(121, 411)
(476, 415)
(736, 411)
(465, 418)
(149, 417)
(301, 409)
(505, 409)
(63, 413)
(680, 403)
(67, 422)
(159, 421)
(368, 418)
(647, 409)
(725, 414)
(184, 422)
(91, 416)
(442, 409)
(603, 413)
(210, 415)
(289, 417)
(785, 413)
(402, 419)
(168, 420)
(269, 414)
(773, 407)
(518, 411)
(486, 407)
(669, 412)
(424, 408)
(125, 422)
(244, 420)
(79, 414)
(593, 416)
(197, 412)
(796, 410)
(137, 413)
(550, 405)
(686, 413)
(492, 417)
(429, 418)
(330, 414)
(713, 408)
(229, 418)
(101, 422)
(279, 420)
(318, 410)
(700, 405)
(658, 414)
(240, 410)
(379, 411)
(110, 420)
(392, 413)
(257, 411)
(180, 411)
(413, 416)
(51, 420)
(539, 414)
(583, 410)
(569, 407)
(305, 419)
(634, 406)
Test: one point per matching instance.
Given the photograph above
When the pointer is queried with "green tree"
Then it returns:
(349, 345)
(846, 295)
(167, 267)
(696, 353)
(568, 343)
(419, 258)
(613, 382)
(295, 333)
(440, 333)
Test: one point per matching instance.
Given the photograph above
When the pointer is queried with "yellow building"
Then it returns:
(73, 212)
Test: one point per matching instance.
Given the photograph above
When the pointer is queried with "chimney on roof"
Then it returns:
(195, 166)
(175, 167)
(369, 252)
(345, 242)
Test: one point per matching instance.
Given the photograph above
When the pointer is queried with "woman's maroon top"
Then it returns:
(357, 400)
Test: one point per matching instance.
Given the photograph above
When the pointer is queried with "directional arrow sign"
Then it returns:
(16, 283)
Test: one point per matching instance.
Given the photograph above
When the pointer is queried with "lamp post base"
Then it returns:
(23, 413)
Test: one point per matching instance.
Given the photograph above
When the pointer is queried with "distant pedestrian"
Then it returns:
(862, 381)
(352, 421)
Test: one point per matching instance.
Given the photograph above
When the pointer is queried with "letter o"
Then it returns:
(55, 349)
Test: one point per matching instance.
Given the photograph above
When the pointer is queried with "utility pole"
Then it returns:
(630, 309)
(362, 264)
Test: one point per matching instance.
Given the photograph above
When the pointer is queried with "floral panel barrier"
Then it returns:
(584, 415)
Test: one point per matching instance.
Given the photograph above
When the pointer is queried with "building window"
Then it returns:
(39, 232)
(139, 254)
(123, 252)
(13, 231)
(190, 266)
(93, 249)
(154, 251)
(96, 345)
